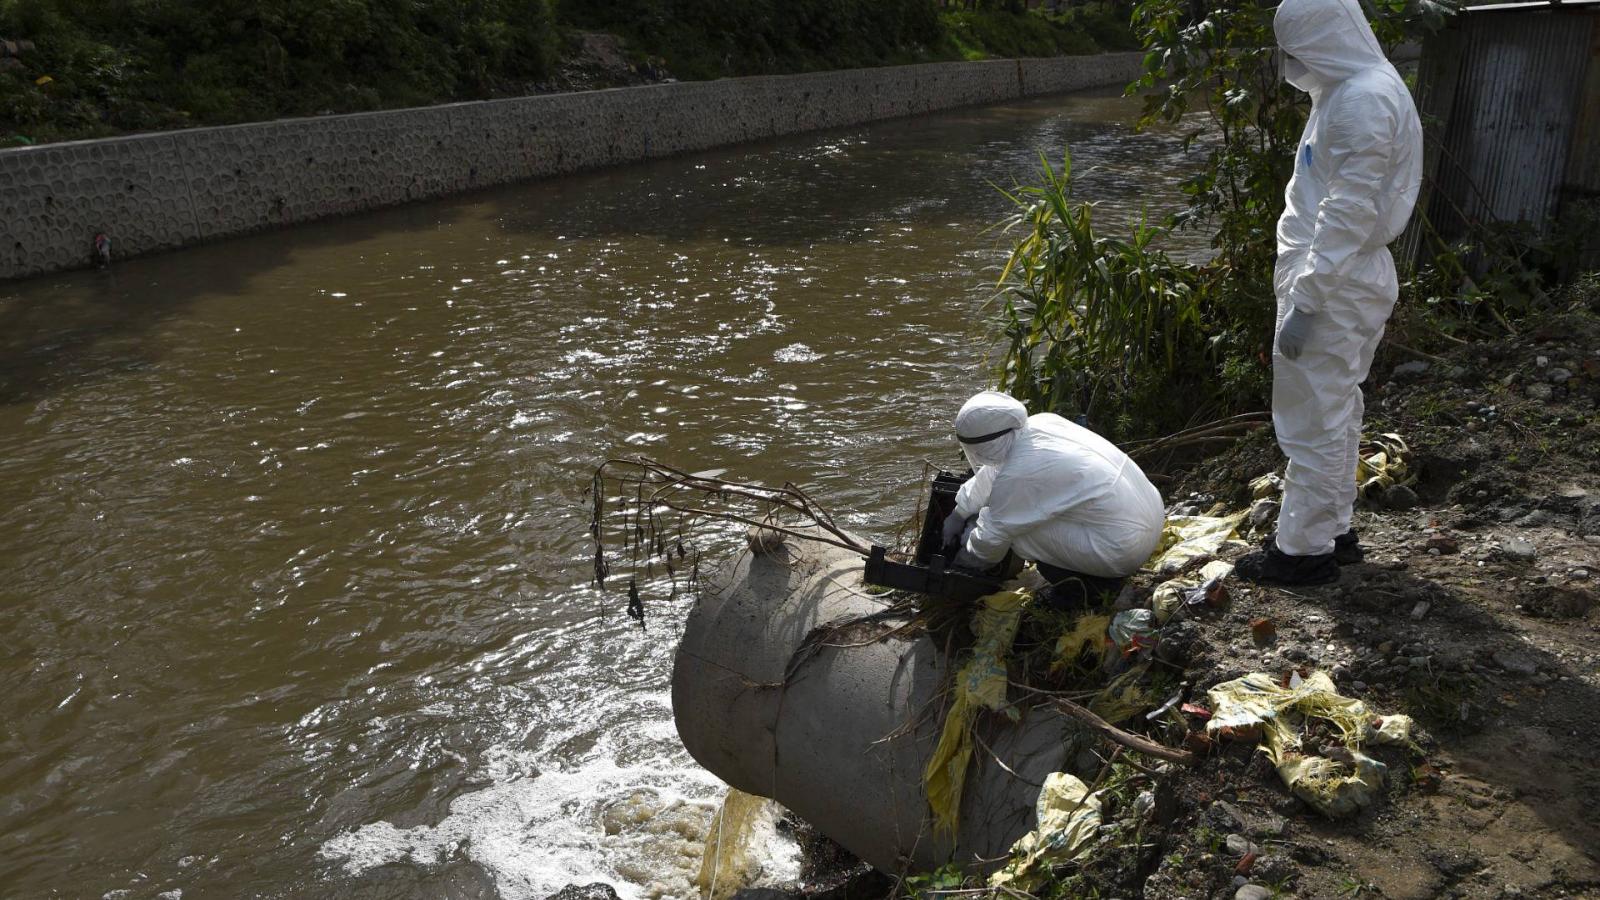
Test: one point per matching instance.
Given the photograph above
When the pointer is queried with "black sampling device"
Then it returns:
(930, 571)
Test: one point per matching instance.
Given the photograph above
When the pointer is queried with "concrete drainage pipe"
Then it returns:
(789, 685)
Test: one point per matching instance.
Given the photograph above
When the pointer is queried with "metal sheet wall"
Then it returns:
(1511, 123)
(1580, 195)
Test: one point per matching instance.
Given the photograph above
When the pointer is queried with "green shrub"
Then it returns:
(984, 33)
(1106, 24)
(121, 65)
(1113, 329)
(713, 38)
(1108, 328)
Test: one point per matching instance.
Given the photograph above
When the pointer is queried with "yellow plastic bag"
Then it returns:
(1384, 463)
(1123, 697)
(1069, 819)
(1268, 485)
(1188, 538)
(1335, 785)
(731, 852)
(1089, 633)
(980, 683)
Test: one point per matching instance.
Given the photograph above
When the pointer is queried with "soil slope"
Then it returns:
(1474, 612)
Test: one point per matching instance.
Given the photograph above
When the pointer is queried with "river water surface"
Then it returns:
(293, 557)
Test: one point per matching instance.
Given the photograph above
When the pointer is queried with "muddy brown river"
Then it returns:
(293, 557)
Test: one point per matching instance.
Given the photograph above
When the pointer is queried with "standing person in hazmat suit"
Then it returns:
(1355, 181)
(1057, 493)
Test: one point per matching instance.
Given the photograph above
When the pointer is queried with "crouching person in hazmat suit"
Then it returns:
(1355, 181)
(1056, 493)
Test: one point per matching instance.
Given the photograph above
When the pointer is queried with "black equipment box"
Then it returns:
(929, 571)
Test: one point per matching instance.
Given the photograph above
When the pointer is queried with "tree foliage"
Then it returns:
(1112, 328)
(108, 66)
(710, 38)
(118, 65)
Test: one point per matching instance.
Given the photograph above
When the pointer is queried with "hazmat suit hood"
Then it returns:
(1327, 42)
(987, 427)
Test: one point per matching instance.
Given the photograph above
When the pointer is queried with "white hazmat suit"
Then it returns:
(1053, 491)
(1355, 181)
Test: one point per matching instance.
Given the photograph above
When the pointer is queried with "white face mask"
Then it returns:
(1296, 73)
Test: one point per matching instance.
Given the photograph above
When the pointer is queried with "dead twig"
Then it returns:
(1002, 763)
(1127, 739)
(768, 526)
(651, 505)
(1417, 353)
(1223, 430)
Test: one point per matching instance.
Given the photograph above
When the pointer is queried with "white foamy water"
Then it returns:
(640, 828)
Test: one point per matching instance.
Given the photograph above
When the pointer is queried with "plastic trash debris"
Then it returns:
(1069, 820)
(1189, 538)
(1133, 630)
(1263, 513)
(1164, 708)
(733, 844)
(1337, 780)
(1123, 697)
(1089, 634)
(1209, 590)
(1384, 463)
(1393, 729)
(1266, 486)
(1144, 804)
(980, 683)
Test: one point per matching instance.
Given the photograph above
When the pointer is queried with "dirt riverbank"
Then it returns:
(1476, 612)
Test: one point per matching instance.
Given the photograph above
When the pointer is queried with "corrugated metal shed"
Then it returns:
(1514, 91)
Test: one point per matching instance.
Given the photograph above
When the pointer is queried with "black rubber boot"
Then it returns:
(1347, 550)
(1071, 591)
(1269, 565)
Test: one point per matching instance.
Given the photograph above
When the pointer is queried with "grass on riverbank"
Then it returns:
(105, 67)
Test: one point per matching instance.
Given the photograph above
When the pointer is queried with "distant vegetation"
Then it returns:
(106, 66)
(711, 38)
(101, 67)
(1101, 322)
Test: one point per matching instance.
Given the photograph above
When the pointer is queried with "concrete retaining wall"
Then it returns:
(156, 192)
